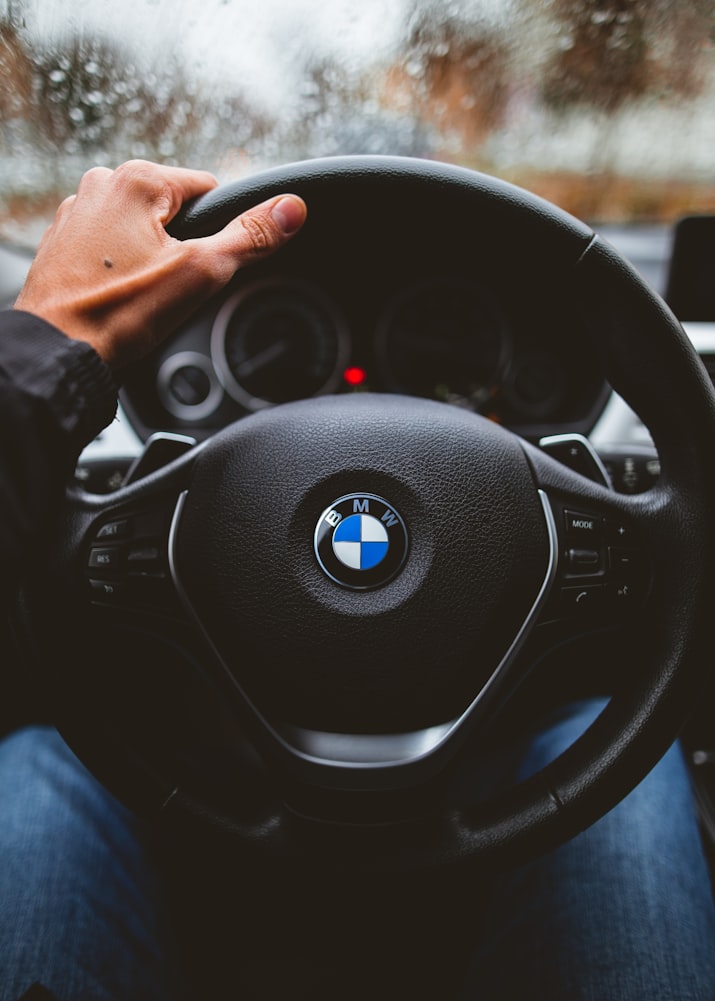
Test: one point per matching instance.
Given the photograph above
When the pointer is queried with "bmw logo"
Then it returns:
(360, 541)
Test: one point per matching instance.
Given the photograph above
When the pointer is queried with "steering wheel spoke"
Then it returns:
(111, 552)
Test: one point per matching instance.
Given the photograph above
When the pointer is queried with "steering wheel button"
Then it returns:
(582, 600)
(583, 561)
(585, 525)
(110, 558)
(624, 595)
(106, 590)
(148, 555)
(114, 530)
(619, 532)
(626, 563)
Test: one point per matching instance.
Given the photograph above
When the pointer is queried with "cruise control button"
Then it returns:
(107, 590)
(114, 530)
(146, 556)
(106, 559)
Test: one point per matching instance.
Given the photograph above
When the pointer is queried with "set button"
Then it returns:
(114, 530)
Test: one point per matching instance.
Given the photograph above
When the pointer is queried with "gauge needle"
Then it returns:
(263, 358)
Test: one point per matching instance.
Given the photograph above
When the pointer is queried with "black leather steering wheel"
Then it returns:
(295, 630)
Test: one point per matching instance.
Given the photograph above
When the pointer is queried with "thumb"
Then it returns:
(256, 233)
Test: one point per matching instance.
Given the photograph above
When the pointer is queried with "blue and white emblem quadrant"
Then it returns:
(360, 542)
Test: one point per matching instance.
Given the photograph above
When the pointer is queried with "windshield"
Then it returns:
(606, 108)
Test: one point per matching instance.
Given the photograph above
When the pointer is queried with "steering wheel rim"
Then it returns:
(629, 323)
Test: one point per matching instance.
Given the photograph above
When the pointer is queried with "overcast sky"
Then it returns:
(243, 40)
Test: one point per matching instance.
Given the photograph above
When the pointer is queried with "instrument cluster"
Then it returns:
(280, 338)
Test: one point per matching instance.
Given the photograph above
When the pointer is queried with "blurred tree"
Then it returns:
(612, 51)
(87, 91)
(328, 94)
(91, 96)
(15, 69)
(453, 71)
(85, 94)
(339, 112)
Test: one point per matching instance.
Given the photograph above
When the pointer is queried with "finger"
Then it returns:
(185, 184)
(167, 188)
(61, 215)
(65, 211)
(65, 206)
(95, 177)
(255, 234)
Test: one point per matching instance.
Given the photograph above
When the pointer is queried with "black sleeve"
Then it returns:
(56, 395)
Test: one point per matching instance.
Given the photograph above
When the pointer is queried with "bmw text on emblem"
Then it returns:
(360, 541)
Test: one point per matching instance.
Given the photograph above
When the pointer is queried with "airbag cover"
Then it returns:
(413, 652)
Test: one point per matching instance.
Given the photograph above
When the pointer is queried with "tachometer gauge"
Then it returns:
(277, 341)
(445, 339)
(538, 385)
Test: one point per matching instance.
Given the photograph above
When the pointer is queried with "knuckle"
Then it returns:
(66, 204)
(140, 175)
(94, 176)
(135, 169)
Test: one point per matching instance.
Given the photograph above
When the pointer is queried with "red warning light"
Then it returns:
(354, 376)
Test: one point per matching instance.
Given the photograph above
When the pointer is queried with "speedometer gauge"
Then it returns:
(277, 341)
(444, 339)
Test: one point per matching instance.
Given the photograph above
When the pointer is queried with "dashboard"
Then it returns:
(411, 322)
(442, 337)
(399, 317)
(400, 320)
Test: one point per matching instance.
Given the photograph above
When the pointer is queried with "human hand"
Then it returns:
(107, 272)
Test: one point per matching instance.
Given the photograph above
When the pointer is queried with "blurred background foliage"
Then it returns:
(605, 106)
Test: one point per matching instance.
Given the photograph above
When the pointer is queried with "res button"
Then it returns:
(110, 558)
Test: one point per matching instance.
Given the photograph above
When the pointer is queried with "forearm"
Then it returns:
(55, 396)
(111, 279)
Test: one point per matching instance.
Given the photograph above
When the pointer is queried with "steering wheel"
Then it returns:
(296, 630)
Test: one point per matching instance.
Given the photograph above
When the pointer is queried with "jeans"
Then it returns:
(81, 908)
(624, 911)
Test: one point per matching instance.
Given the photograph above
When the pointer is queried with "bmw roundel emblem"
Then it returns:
(360, 541)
